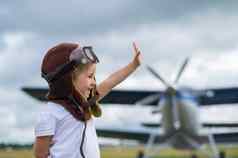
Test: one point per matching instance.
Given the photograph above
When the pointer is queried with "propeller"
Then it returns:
(181, 70)
(158, 76)
(147, 100)
(170, 91)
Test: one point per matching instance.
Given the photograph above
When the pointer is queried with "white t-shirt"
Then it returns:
(67, 133)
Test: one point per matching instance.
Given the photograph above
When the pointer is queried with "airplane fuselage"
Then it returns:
(180, 119)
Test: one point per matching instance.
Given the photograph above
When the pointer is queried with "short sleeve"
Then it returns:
(45, 125)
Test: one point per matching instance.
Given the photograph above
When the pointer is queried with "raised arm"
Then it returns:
(117, 77)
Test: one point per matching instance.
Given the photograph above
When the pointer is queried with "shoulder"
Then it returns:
(48, 117)
(54, 110)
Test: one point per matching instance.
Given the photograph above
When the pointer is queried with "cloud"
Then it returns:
(83, 17)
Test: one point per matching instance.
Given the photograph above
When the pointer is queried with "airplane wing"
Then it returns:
(205, 97)
(211, 125)
(140, 134)
(114, 97)
(36, 93)
(218, 96)
(221, 135)
(228, 137)
(226, 132)
(123, 134)
(214, 125)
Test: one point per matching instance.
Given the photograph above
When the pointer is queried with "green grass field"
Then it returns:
(123, 153)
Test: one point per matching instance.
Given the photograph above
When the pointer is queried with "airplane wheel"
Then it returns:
(222, 154)
(194, 156)
(140, 154)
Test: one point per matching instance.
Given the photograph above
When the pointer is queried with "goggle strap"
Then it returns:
(60, 71)
(45, 76)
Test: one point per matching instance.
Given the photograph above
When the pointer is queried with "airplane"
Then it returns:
(180, 126)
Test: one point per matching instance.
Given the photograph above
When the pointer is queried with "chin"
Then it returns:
(86, 95)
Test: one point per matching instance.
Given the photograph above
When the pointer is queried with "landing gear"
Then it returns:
(140, 154)
(149, 145)
(194, 156)
(222, 154)
(213, 146)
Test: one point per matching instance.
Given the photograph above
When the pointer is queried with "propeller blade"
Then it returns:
(147, 100)
(157, 76)
(181, 70)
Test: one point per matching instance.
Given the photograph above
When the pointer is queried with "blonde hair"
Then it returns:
(78, 70)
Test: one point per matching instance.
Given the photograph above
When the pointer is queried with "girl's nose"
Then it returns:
(93, 82)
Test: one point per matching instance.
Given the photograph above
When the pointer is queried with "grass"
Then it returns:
(123, 153)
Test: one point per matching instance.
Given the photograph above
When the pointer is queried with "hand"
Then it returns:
(136, 60)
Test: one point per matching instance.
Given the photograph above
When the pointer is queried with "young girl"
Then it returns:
(65, 127)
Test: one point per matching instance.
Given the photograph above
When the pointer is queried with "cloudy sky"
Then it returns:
(166, 32)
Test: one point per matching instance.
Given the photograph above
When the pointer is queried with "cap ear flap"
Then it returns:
(61, 88)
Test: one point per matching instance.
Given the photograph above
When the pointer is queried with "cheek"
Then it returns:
(81, 83)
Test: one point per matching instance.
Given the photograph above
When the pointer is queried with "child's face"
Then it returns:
(84, 81)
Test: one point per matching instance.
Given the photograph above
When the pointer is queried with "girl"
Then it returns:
(65, 127)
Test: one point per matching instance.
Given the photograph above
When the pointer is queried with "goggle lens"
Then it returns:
(84, 55)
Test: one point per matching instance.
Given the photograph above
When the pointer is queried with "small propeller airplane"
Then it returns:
(180, 126)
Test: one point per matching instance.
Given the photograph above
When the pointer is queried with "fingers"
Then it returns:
(137, 54)
(135, 48)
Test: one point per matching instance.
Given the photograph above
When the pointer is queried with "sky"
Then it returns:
(166, 32)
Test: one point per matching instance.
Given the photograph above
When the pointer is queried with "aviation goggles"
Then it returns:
(79, 55)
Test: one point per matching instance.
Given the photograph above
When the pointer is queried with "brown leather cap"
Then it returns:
(55, 57)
